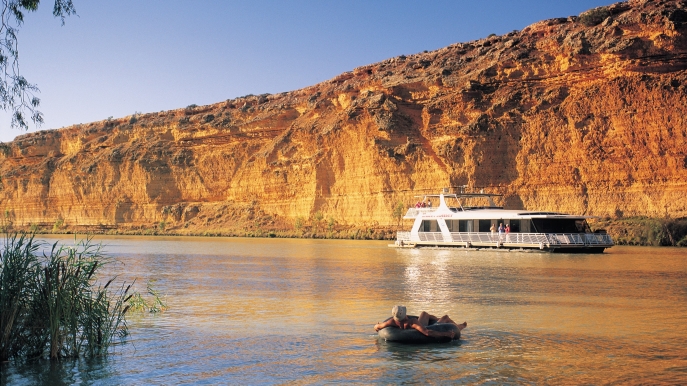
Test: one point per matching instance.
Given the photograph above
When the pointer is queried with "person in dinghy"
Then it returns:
(401, 320)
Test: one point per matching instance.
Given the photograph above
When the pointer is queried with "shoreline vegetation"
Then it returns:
(637, 231)
(55, 304)
(645, 231)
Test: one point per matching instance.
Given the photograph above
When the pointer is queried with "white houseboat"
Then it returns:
(444, 220)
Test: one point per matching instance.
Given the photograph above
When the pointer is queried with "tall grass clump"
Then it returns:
(54, 304)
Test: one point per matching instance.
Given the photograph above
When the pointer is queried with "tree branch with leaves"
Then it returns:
(17, 95)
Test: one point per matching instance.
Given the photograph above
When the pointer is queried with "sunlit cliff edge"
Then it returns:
(585, 115)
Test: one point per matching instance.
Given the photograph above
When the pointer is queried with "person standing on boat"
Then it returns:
(493, 231)
(507, 232)
(401, 320)
(501, 230)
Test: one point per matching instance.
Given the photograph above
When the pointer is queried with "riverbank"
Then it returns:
(640, 231)
(645, 231)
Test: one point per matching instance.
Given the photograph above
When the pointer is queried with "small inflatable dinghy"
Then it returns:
(413, 336)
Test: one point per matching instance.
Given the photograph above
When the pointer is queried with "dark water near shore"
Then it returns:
(266, 311)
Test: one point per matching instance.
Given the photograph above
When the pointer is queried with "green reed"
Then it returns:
(140, 304)
(55, 305)
(19, 266)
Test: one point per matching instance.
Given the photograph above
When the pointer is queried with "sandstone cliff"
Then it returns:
(581, 114)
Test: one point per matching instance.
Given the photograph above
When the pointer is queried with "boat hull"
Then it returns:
(563, 243)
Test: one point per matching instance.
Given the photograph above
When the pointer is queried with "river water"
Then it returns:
(275, 311)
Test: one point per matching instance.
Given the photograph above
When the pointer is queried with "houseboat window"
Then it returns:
(582, 226)
(459, 225)
(549, 225)
(514, 226)
(429, 226)
(484, 225)
(465, 225)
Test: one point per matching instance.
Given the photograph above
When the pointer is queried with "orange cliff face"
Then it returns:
(585, 115)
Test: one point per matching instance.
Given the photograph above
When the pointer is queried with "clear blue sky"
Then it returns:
(119, 57)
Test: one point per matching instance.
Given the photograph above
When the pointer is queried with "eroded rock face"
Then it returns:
(583, 114)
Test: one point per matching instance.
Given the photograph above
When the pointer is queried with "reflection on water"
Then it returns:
(276, 311)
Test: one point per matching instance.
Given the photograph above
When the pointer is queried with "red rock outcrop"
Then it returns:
(582, 114)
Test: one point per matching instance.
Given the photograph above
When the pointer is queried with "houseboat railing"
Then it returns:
(598, 239)
(431, 236)
(413, 212)
(571, 239)
(565, 239)
(403, 236)
(488, 237)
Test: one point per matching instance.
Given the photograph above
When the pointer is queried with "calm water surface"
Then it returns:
(273, 311)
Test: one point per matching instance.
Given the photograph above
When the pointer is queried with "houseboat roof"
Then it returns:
(491, 211)
(486, 213)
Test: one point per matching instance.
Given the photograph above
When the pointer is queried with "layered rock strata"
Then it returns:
(584, 114)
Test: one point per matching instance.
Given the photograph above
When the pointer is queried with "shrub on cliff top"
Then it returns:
(5, 149)
(594, 16)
